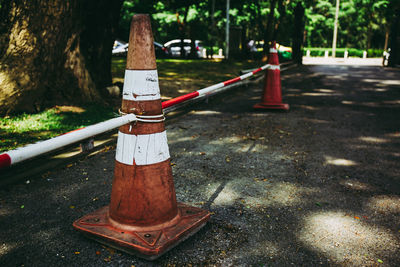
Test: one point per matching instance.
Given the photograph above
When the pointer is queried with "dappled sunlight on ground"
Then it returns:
(339, 162)
(371, 139)
(226, 197)
(7, 247)
(288, 194)
(345, 238)
(352, 184)
(384, 204)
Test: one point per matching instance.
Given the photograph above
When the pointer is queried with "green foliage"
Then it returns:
(362, 23)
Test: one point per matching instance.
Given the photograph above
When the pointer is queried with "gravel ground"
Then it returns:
(318, 185)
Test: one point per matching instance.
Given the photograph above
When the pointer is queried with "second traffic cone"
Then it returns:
(272, 96)
(143, 217)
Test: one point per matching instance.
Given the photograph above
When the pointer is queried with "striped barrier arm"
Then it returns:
(212, 88)
(23, 153)
(30, 151)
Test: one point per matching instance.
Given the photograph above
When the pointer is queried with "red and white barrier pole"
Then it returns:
(212, 88)
(23, 153)
(20, 154)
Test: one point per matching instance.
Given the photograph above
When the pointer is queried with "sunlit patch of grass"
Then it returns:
(16, 131)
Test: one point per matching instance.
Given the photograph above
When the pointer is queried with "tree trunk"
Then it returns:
(298, 34)
(394, 57)
(270, 26)
(55, 52)
(282, 15)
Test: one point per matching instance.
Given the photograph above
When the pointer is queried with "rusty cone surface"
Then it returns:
(143, 217)
(272, 95)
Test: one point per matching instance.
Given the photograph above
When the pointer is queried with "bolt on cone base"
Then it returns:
(277, 106)
(146, 243)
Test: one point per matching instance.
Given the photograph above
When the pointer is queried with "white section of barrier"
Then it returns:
(209, 89)
(39, 148)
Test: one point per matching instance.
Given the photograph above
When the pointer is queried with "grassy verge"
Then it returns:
(176, 77)
(25, 128)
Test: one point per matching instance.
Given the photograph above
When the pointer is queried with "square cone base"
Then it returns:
(279, 106)
(145, 244)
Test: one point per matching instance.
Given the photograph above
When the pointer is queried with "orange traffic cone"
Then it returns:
(272, 96)
(143, 217)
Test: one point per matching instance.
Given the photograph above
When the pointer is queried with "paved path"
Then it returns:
(317, 185)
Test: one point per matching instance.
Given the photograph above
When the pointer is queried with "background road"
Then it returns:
(317, 185)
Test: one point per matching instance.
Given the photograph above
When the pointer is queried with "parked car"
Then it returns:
(161, 51)
(120, 48)
(174, 47)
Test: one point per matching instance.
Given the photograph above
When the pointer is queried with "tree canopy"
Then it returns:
(362, 23)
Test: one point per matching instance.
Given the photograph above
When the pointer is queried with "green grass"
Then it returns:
(176, 77)
(16, 131)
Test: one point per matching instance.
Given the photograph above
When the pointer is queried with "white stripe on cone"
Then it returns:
(142, 149)
(141, 85)
(274, 67)
(273, 50)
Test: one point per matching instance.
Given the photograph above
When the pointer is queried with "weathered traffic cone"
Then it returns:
(143, 217)
(272, 96)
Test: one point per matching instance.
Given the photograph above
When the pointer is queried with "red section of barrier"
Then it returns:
(179, 99)
(257, 70)
(228, 82)
(5, 161)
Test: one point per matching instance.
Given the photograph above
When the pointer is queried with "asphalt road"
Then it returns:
(318, 185)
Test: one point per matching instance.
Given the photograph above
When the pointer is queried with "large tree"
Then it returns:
(54, 51)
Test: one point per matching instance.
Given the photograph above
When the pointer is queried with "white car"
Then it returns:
(174, 47)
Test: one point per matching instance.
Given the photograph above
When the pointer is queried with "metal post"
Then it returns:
(227, 30)
(335, 29)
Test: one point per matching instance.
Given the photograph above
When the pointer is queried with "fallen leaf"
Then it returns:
(227, 159)
(380, 261)
(77, 252)
(173, 164)
(202, 153)
(72, 207)
(356, 217)
(111, 250)
(318, 204)
(108, 259)
(22, 206)
(98, 252)
(69, 165)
